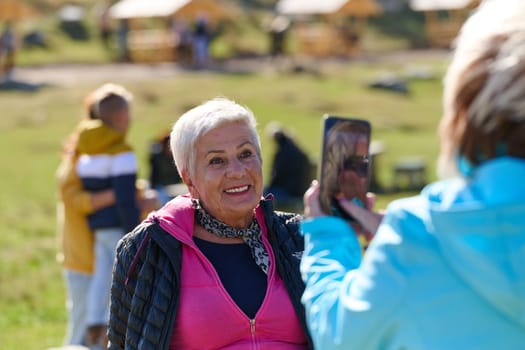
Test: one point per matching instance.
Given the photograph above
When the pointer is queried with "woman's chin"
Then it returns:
(242, 205)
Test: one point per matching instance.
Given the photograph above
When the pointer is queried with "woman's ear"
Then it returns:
(189, 183)
(185, 176)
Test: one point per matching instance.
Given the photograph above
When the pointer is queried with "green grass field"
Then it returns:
(33, 125)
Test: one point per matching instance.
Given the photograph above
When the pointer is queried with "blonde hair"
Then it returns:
(89, 106)
(91, 110)
(108, 98)
(484, 88)
(202, 119)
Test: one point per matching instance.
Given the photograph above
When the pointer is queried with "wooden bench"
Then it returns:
(409, 174)
(324, 40)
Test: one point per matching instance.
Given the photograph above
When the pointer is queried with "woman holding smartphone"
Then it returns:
(445, 268)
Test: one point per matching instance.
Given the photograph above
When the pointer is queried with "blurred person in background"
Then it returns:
(163, 172)
(8, 46)
(107, 161)
(122, 40)
(183, 38)
(201, 42)
(278, 31)
(445, 269)
(215, 268)
(104, 24)
(74, 234)
(290, 173)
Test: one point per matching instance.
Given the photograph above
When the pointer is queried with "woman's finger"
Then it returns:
(367, 218)
(312, 206)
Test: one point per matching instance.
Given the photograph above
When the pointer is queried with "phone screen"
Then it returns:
(345, 163)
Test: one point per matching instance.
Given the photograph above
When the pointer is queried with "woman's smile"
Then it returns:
(237, 190)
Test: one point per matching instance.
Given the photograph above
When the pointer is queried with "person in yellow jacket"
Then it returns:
(74, 235)
(75, 238)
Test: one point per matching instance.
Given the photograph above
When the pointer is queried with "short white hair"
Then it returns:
(484, 86)
(202, 119)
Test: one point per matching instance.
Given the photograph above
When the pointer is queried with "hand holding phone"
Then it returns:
(344, 164)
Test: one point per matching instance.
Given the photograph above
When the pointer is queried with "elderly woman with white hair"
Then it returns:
(217, 268)
(446, 268)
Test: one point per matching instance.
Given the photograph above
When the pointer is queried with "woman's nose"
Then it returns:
(236, 169)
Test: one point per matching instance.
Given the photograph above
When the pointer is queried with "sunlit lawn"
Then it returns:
(33, 125)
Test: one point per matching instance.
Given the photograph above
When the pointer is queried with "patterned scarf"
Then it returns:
(251, 235)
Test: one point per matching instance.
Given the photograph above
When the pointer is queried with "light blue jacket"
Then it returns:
(446, 270)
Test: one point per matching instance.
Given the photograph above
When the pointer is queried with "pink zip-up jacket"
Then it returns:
(207, 317)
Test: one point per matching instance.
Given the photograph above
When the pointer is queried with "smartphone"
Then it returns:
(345, 159)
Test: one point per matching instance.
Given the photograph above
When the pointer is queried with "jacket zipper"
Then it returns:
(252, 330)
(229, 298)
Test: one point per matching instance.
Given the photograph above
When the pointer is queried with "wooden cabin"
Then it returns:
(150, 36)
(328, 27)
(15, 10)
(443, 18)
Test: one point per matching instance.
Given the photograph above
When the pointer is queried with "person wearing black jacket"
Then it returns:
(291, 171)
(217, 267)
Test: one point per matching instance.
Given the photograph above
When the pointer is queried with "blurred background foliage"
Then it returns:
(242, 36)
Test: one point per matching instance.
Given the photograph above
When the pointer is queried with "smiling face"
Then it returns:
(227, 174)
